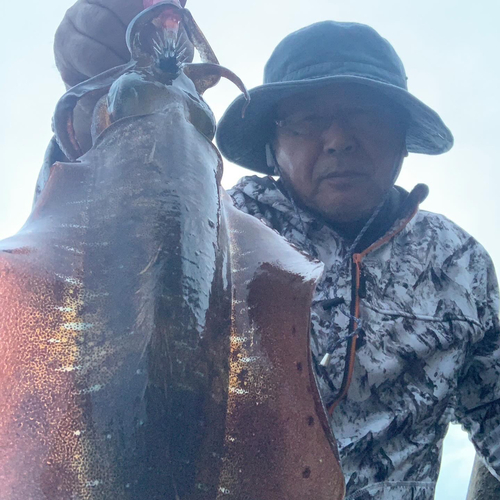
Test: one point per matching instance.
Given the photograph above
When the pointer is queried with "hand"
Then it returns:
(91, 38)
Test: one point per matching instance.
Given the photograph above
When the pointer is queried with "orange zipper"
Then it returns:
(351, 355)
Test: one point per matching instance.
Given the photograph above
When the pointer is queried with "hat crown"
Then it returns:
(331, 48)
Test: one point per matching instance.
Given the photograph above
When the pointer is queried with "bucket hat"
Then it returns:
(316, 56)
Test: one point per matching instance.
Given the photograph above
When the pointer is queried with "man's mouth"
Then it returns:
(342, 175)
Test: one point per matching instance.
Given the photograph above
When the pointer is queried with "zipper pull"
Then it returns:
(326, 360)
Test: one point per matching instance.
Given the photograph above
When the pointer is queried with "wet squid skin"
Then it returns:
(121, 378)
(278, 443)
(115, 323)
(150, 335)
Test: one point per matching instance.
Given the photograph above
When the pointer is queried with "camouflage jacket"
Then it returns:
(428, 352)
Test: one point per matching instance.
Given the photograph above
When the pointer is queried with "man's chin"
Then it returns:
(344, 209)
(341, 190)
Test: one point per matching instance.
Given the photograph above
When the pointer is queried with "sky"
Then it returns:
(450, 51)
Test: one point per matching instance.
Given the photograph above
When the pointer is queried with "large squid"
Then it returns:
(154, 341)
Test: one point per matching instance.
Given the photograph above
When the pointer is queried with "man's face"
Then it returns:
(337, 149)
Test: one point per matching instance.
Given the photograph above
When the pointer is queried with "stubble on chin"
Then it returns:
(343, 205)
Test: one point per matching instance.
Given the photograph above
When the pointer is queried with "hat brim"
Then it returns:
(242, 140)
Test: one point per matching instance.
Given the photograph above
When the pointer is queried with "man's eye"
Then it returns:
(308, 126)
(312, 125)
(294, 131)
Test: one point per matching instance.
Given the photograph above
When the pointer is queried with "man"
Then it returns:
(405, 323)
(405, 320)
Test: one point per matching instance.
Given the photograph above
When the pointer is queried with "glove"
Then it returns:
(91, 38)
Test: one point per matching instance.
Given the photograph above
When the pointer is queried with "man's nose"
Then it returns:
(339, 138)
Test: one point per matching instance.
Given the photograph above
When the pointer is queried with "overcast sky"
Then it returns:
(450, 51)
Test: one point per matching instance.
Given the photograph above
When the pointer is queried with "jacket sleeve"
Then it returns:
(478, 403)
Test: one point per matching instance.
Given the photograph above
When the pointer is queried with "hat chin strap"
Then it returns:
(271, 160)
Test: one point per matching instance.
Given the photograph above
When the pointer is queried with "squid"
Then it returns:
(154, 341)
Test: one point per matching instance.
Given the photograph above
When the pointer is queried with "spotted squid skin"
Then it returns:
(113, 373)
(279, 444)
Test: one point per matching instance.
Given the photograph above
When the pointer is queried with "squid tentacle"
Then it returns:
(202, 75)
(198, 38)
(62, 122)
